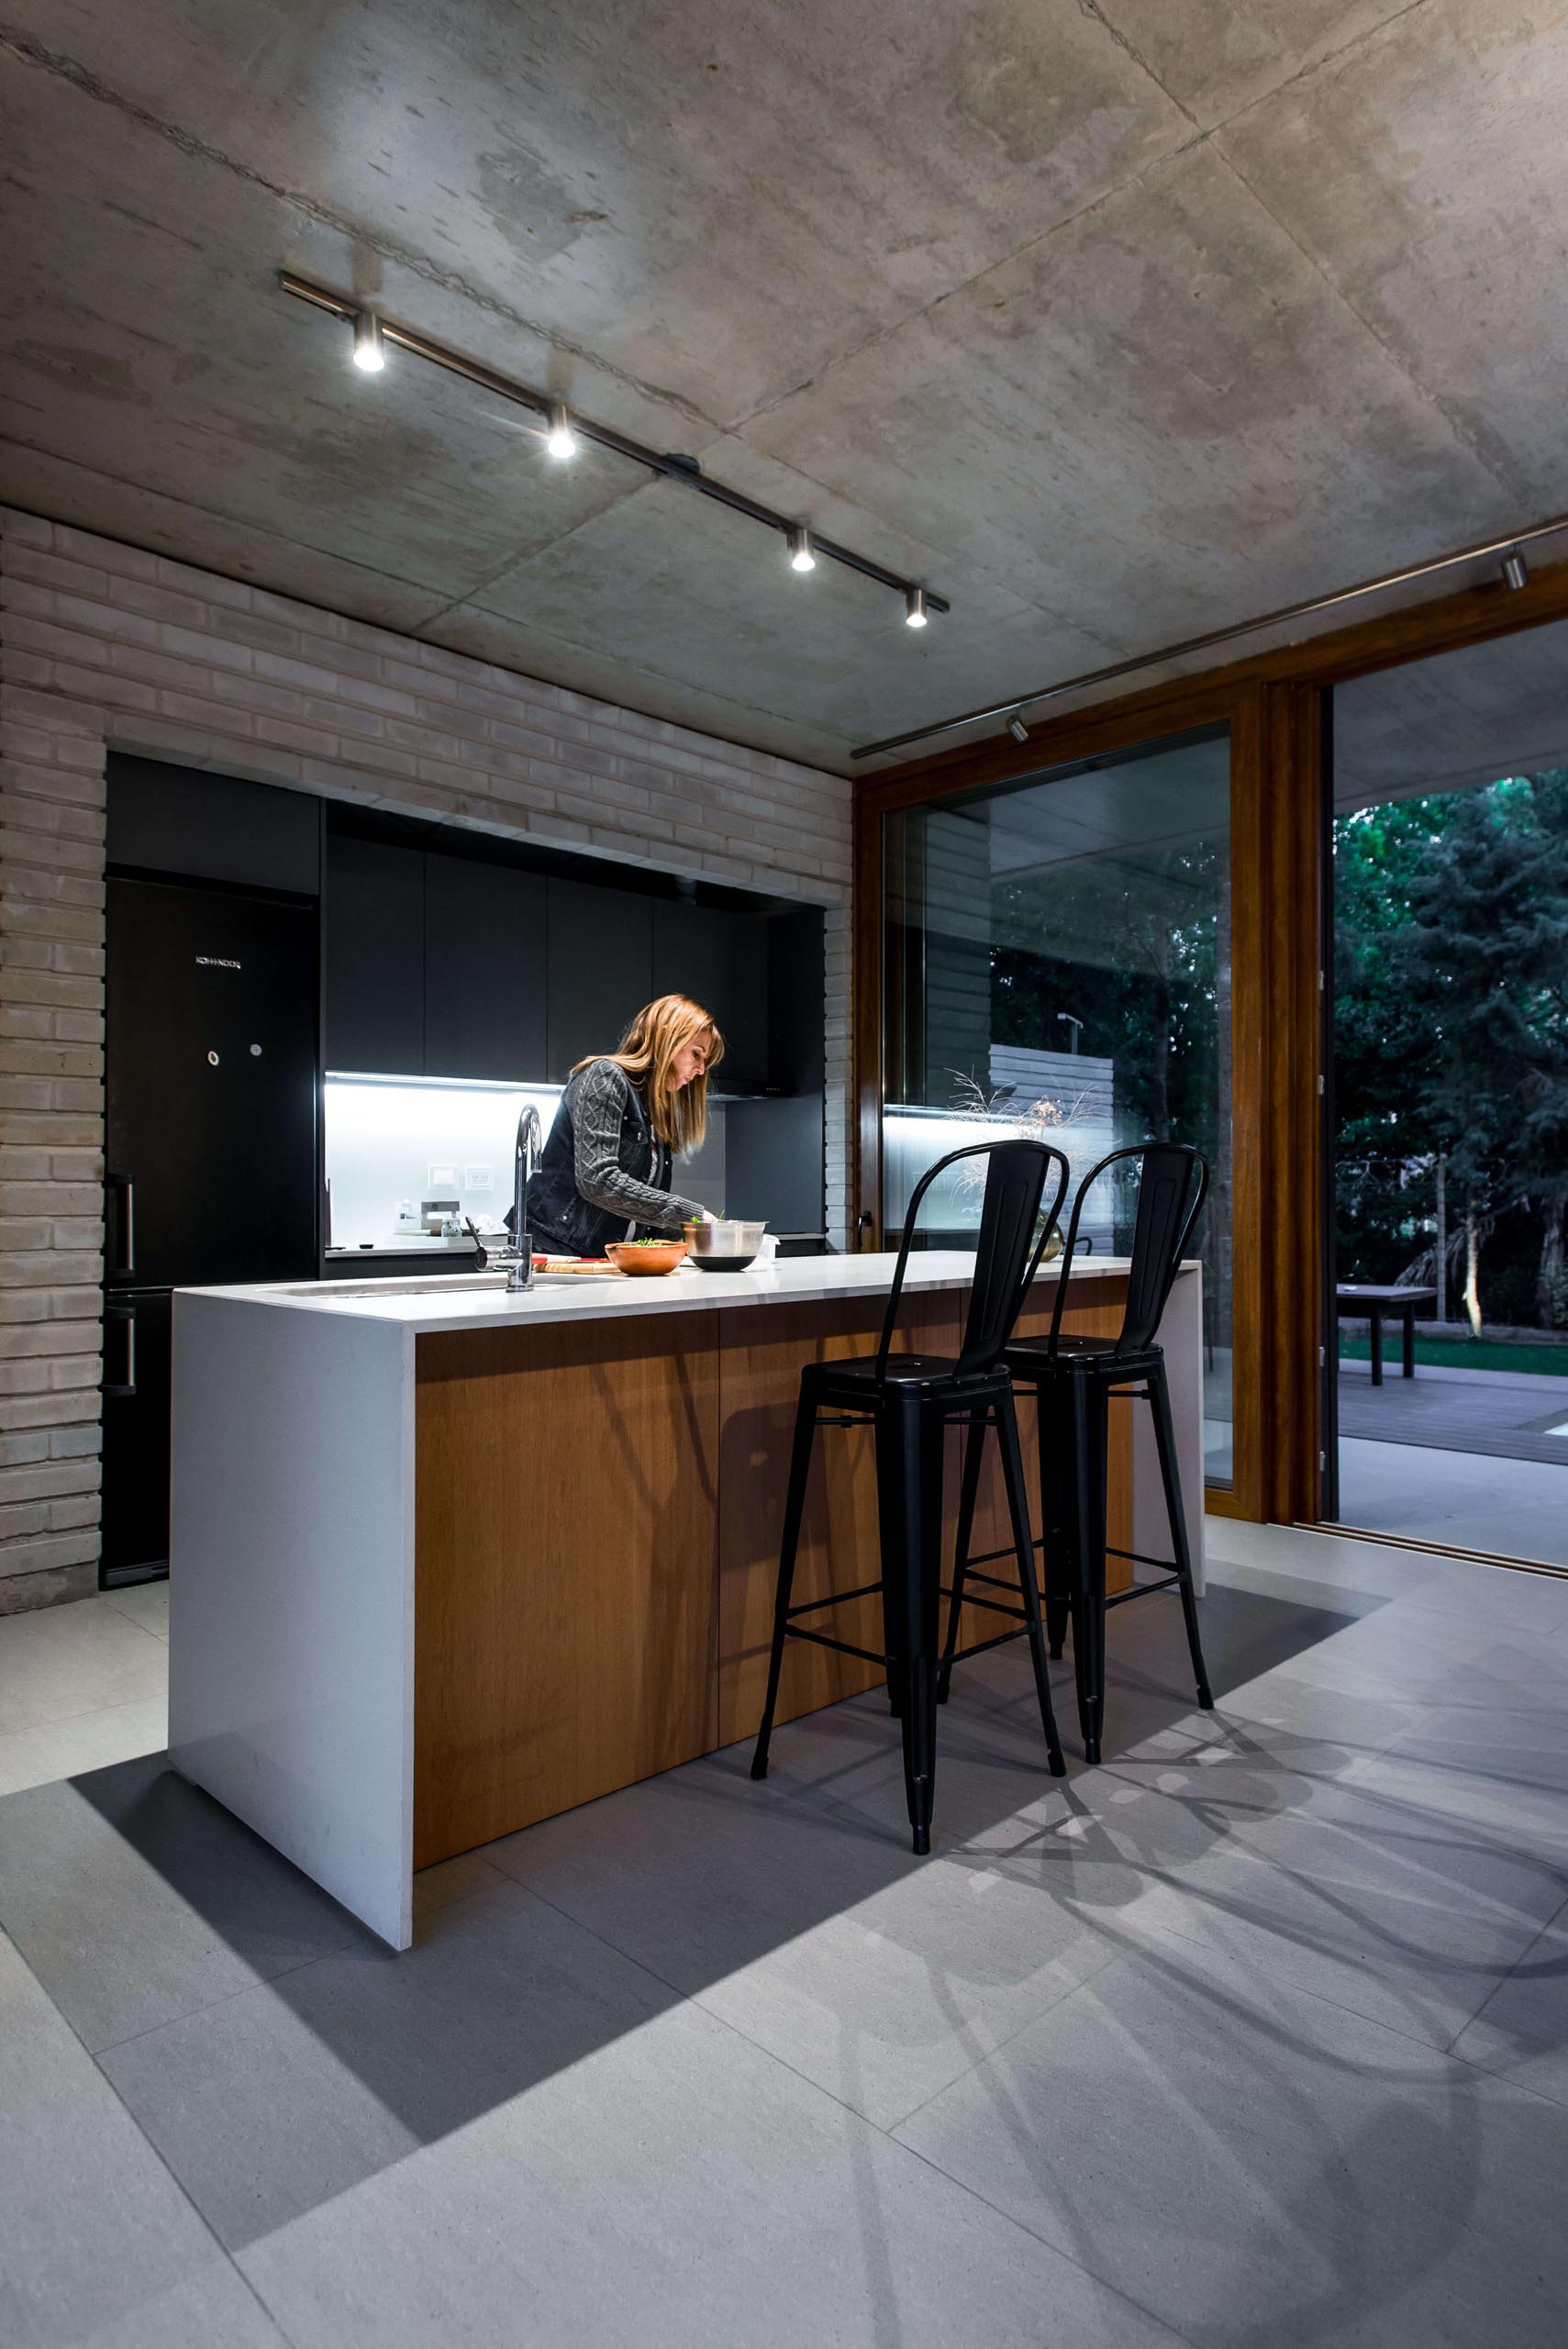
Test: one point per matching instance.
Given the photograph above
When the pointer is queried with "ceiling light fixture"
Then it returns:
(1017, 728)
(564, 433)
(1516, 571)
(800, 555)
(370, 350)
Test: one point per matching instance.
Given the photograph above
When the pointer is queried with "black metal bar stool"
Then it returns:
(1073, 1379)
(910, 1400)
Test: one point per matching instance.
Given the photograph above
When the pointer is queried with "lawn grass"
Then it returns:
(1462, 1354)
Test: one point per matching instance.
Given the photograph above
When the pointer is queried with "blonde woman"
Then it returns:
(606, 1169)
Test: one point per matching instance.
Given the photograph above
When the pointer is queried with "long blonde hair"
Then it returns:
(647, 1051)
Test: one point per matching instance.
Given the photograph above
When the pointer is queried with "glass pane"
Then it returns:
(1057, 961)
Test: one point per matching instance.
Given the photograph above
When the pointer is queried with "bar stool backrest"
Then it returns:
(1173, 1184)
(1004, 1261)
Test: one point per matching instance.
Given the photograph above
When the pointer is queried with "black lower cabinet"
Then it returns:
(137, 1325)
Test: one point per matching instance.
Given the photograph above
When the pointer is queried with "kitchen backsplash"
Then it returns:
(390, 1138)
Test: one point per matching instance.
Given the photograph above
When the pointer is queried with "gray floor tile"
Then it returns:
(274, 2102)
(95, 2234)
(134, 1898)
(146, 1603)
(60, 1661)
(1264, 2167)
(878, 1976)
(1501, 1779)
(216, 2309)
(679, 2190)
(1522, 2031)
(449, 1880)
(54, 1750)
(1268, 1848)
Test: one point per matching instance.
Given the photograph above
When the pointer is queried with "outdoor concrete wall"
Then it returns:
(107, 647)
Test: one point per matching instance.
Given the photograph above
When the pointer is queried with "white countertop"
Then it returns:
(479, 1301)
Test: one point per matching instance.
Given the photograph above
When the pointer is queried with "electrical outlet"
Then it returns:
(479, 1178)
(443, 1179)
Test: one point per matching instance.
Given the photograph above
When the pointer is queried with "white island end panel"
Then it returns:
(292, 1589)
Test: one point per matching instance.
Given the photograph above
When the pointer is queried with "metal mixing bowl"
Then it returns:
(724, 1247)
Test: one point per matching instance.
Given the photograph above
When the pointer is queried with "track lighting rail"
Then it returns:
(1515, 573)
(372, 330)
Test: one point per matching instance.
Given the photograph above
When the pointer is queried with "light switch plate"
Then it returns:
(479, 1178)
(443, 1178)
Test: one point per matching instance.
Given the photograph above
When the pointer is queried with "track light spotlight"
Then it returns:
(551, 420)
(370, 350)
(1017, 728)
(1516, 571)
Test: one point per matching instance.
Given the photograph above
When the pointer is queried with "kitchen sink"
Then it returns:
(441, 1284)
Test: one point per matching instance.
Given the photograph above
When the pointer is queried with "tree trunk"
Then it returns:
(1472, 1266)
(1551, 1277)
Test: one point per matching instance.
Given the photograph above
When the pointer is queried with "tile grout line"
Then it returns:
(224, 2254)
(888, 2134)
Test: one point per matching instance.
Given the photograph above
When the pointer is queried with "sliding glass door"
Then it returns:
(1057, 961)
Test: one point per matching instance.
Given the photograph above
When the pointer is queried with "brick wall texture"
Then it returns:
(107, 647)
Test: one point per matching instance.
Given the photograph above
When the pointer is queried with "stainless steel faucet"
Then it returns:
(520, 1271)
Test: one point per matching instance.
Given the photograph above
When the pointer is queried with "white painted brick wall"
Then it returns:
(108, 647)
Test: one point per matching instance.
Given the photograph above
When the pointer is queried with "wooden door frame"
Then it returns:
(1273, 705)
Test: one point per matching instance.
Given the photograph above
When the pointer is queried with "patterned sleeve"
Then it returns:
(600, 1177)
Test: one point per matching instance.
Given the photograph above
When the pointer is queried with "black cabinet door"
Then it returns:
(374, 918)
(485, 970)
(601, 970)
(720, 960)
(210, 1065)
(136, 1433)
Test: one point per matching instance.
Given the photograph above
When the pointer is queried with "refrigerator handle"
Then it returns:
(126, 1385)
(127, 1189)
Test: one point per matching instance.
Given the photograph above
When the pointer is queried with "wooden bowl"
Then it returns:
(635, 1256)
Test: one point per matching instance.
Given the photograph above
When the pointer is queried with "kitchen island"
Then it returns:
(445, 1561)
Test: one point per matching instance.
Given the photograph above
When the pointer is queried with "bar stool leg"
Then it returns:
(1091, 1429)
(974, 1452)
(795, 1509)
(1165, 1444)
(1056, 1555)
(909, 1495)
(1018, 1510)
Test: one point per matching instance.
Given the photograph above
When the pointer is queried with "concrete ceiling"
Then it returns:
(1116, 320)
(1462, 718)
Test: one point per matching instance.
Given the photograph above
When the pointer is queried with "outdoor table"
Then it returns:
(1372, 1304)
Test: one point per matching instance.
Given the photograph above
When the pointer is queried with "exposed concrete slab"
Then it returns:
(1466, 717)
(1164, 404)
(1427, 173)
(973, 289)
(1215, 57)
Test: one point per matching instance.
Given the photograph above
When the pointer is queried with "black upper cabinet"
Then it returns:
(374, 924)
(601, 970)
(720, 960)
(212, 826)
(485, 970)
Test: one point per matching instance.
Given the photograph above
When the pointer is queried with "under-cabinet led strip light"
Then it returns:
(374, 334)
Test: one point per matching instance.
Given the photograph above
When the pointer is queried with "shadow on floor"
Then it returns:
(277, 2054)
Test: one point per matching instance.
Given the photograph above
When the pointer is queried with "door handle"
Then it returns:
(127, 1189)
(126, 1385)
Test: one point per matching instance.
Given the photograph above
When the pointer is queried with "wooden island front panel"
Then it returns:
(597, 1517)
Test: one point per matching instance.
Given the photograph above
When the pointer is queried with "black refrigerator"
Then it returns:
(212, 1011)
